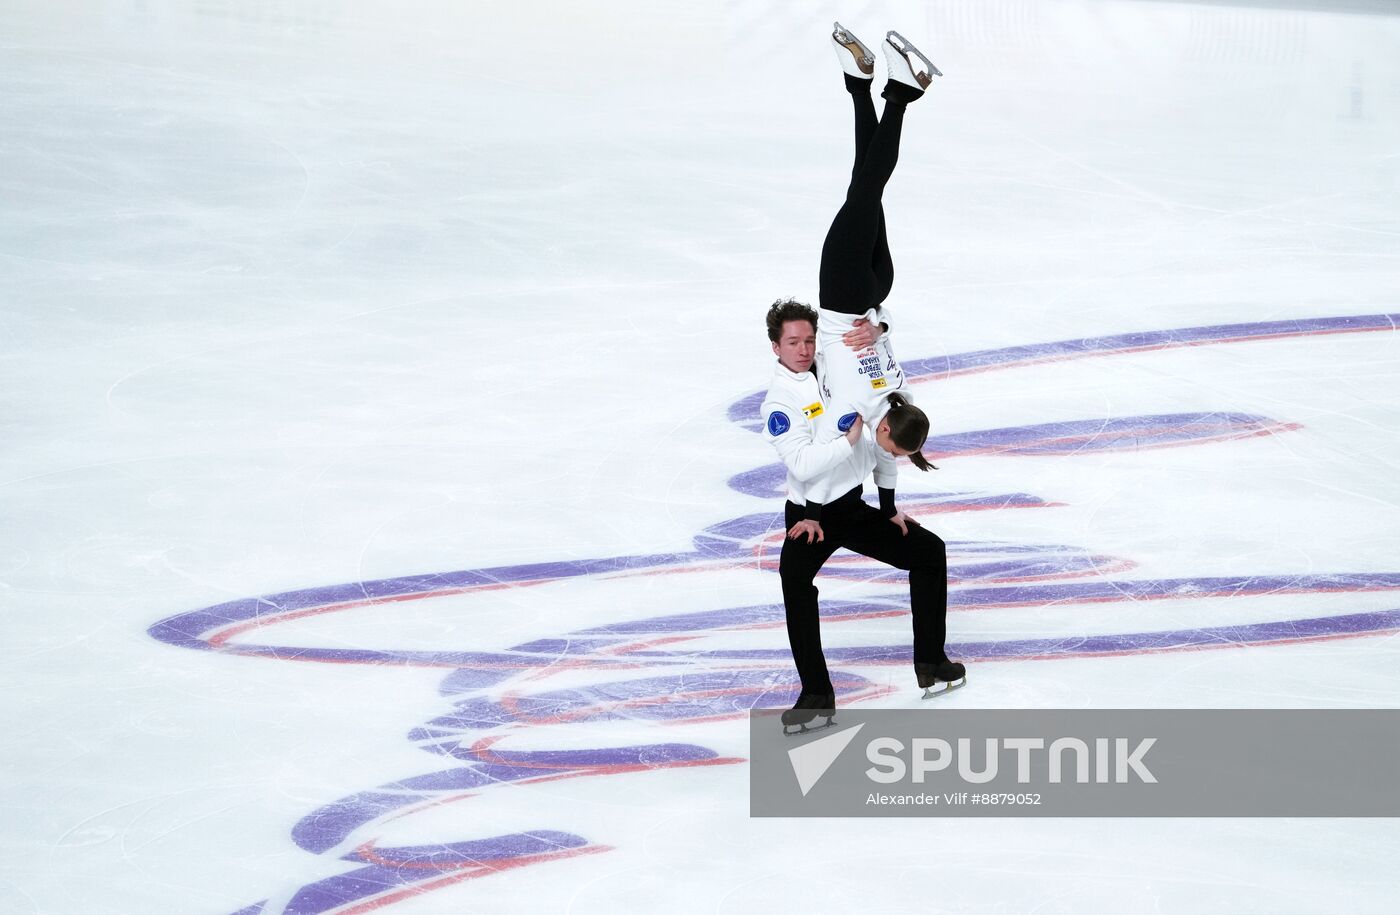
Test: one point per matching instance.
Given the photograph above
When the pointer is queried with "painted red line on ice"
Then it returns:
(222, 636)
(485, 869)
(1213, 646)
(1048, 447)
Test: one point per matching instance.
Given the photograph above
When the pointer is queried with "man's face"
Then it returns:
(796, 346)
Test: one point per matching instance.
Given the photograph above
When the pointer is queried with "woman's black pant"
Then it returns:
(856, 269)
(849, 522)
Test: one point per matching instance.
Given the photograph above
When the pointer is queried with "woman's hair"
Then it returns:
(908, 429)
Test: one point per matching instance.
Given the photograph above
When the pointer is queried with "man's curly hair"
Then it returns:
(785, 310)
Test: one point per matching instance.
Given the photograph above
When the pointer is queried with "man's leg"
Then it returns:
(797, 567)
(923, 554)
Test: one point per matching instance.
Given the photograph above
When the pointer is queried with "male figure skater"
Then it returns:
(830, 454)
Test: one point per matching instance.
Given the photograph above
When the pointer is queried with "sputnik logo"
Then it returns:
(811, 760)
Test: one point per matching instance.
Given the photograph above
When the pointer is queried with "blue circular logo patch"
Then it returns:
(845, 422)
(778, 423)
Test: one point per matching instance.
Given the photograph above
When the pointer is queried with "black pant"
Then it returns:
(849, 522)
(856, 269)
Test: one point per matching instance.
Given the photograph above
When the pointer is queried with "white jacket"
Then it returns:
(810, 439)
(859, 379)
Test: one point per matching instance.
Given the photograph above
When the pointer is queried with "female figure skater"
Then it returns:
(857, 271)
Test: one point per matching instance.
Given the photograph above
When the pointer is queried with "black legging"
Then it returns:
(856, 269)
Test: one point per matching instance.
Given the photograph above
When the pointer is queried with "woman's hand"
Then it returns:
(809, 528)
(902, 521)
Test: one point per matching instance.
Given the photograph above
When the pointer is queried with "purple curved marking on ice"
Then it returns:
(677, 697)
(450, 854)
(333, 824)
(328, 826)
(744, 411)
(1088, 646)
(488, 714)
(770, 482)
(673, 697)
(548, 651)
(550, 762)
(189, 630)
(1224, 586)
(1157, 339)
(483, 673)
(1130, 433)
(741, 530)
(485, 669)
(972, 573)
(343, 889)
(1014, 595)
(729, 617)
(455, 659)
(723, 540)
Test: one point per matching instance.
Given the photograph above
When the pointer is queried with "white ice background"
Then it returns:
(300, 294)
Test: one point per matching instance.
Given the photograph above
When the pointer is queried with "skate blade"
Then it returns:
(902, 45)
(943, 687)
(803, 729)
(857, 49)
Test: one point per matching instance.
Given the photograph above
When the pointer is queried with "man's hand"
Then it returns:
(853, 433)
(809, 528)
(865, 334)
(902, 521)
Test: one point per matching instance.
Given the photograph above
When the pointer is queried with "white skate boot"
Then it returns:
(906, 64)
(856, 58)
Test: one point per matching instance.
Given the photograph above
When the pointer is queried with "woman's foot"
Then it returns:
(910, 71)
(856, 59)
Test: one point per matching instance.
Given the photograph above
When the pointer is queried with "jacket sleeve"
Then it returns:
(791, 434)
(882, 318)
(886, 469)
(886, 466)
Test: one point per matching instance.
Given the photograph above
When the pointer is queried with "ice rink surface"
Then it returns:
(384, 527)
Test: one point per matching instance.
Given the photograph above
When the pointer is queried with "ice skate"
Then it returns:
(940, 678)
(809, 706)
(907, 64)
(855, 57)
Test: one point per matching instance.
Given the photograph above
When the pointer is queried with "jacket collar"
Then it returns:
(814, 372)
(785, 372)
